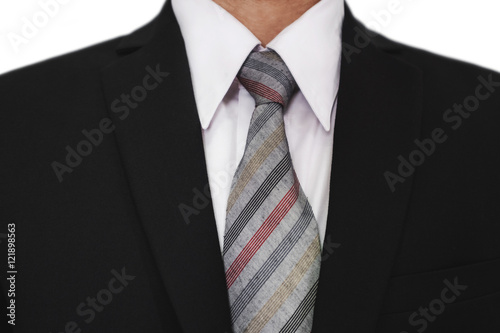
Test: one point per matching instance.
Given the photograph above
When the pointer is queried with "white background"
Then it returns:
(464, 29)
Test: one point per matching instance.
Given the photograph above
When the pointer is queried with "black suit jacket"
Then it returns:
(114, 227)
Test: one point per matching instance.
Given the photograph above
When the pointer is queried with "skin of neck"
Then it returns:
(266, 18)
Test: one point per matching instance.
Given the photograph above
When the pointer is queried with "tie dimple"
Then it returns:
(267, 78)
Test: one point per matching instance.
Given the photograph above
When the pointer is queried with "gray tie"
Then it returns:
(271, 242)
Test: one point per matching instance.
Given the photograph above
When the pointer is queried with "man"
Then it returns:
(265, 166)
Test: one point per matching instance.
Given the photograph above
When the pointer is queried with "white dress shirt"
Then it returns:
(217, 44)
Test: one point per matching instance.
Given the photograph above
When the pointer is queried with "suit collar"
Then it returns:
(161, 146)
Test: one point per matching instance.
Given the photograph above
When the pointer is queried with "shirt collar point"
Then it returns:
(325, 121)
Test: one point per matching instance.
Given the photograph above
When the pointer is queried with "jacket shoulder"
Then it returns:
(54, 88)
(432, 65)
(448, 83)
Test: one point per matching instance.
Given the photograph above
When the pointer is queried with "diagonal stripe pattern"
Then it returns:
(271, 243)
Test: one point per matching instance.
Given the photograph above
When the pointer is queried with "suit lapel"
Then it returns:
(378, 117)
(160, 142)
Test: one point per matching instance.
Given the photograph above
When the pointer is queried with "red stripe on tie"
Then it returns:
(262, 90)
(272, 221)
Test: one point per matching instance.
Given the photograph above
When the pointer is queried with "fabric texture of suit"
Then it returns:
(117, 221)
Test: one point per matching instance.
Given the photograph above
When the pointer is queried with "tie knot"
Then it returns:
(267, 78)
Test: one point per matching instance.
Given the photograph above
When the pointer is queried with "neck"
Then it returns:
(266, 18)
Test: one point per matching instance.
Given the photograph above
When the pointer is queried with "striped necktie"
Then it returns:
(271, 242)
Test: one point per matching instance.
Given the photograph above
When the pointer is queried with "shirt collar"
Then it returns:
(217, 45)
